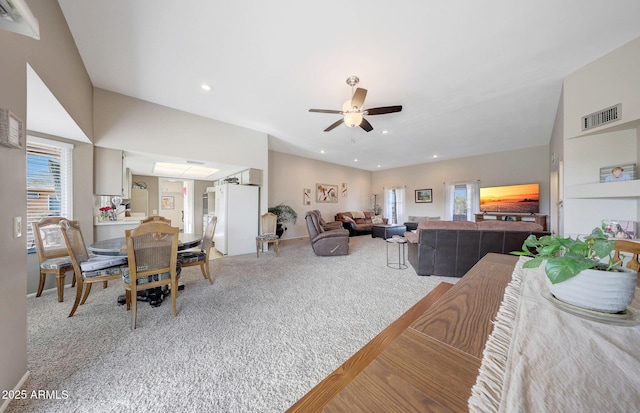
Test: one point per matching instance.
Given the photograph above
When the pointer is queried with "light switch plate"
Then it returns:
(17, 227)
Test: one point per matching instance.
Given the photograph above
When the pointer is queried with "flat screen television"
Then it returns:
(523, 198)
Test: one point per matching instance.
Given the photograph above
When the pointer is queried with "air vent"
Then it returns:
(608, 115)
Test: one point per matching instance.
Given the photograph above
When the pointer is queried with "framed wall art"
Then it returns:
(326, 193)
(344, 190)
(168, 202)
(306, 196)
(424, 196)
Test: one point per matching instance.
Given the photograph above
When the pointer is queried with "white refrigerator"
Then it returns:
(238, 212)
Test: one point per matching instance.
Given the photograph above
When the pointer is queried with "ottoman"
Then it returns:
(387, 230)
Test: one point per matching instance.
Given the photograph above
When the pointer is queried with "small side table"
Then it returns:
(399, 242)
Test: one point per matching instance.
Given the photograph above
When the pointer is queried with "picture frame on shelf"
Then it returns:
(620, 172)
(620, 229)
(423, 196)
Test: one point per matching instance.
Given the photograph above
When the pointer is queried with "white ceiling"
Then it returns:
(473, 76)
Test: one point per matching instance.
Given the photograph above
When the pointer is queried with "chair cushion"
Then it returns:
(56, 263)
(267, 237)
(189, 257)
(98, 262)
(116, 269)
(126, 275)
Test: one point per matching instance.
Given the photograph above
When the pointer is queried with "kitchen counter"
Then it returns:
(113, 229)
(123, 221)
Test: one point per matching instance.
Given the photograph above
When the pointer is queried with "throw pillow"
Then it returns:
(347, 218)
(377, 220)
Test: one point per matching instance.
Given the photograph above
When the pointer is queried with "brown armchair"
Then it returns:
(326, 243)
(328, 226)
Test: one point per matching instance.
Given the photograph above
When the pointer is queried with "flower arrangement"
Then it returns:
(105, 213)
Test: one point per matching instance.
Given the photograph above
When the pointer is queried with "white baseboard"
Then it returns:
(24, 378)
(48, 291)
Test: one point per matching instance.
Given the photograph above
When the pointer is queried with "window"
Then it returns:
(462, 201)
(49, 182)
(394, 205)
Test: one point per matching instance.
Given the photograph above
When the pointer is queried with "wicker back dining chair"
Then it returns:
(201, 257)
(52, 253)
(152, 249)
(101, 270)
(156, 218)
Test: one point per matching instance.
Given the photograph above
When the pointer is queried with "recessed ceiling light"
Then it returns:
(384, 131)
(205, 87)
(322, 151)
(379, 166)
(435, 156)
(355, 160)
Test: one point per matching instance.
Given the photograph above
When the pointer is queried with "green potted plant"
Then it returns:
(285, 214)
(582, 272)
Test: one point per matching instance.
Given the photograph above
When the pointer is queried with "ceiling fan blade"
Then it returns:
(366, 125)
(333, 125)
(337, 112)
(384, 109)
(357, 99)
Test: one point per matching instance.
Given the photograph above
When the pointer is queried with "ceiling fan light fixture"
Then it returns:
(352, 119)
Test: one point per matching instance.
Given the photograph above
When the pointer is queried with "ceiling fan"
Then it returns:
(352, 110)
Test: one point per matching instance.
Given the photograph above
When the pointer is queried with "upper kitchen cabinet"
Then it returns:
(111, 176)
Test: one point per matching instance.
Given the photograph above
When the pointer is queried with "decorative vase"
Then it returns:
(598, 290)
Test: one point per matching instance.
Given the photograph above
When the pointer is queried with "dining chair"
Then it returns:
(267, 235)
(629, 247)
(156, 218)
(201, 257)
(52, 253)
(152, 249)
(88, 269)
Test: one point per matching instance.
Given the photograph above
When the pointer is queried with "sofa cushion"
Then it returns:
(447, 225)
(416, 218)
(357, 214)
(347, 218)
(495, 225)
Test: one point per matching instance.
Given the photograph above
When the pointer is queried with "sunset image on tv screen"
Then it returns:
(512, 198)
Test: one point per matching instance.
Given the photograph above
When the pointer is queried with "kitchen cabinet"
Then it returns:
(111, 176)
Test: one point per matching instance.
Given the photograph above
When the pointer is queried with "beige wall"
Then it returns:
(122, 122)
(56, 60)
(606, 82)
(501, 168)
(289, 175)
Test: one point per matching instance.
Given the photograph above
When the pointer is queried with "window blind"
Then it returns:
(49, 182)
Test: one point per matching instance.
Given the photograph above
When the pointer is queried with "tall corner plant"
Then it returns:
(566, 257)
(284, 213)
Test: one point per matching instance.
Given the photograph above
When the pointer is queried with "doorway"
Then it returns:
(176, 202)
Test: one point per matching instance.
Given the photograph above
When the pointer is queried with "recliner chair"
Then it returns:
(326, 243)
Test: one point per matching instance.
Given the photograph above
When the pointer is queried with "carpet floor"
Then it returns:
(264, 334)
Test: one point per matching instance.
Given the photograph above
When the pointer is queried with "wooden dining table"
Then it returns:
(428, 359)
(118, 246)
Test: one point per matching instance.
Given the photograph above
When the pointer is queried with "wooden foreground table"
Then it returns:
(428, 359)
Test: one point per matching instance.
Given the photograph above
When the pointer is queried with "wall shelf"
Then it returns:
(626, 189)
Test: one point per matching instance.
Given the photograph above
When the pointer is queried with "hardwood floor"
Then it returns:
(428, 359)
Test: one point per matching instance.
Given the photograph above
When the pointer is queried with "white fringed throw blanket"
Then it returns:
(540, 358)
